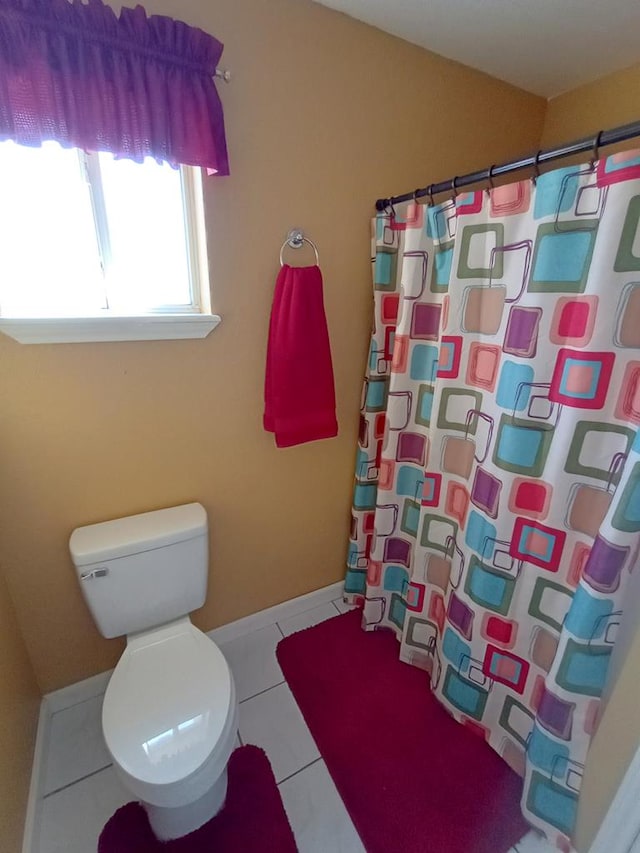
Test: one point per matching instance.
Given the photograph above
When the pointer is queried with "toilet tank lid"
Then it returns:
(134, 534)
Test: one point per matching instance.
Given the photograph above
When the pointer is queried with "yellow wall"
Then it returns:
(324, 114)
(608, 102)
(19, 700)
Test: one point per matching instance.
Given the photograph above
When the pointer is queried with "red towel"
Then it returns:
(299, 395)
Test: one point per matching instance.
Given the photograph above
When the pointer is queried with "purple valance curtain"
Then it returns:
(131, 84)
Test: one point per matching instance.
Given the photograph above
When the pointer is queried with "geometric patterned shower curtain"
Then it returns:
(496, 512)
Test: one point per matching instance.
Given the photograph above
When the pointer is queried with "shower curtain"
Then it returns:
(496, 506)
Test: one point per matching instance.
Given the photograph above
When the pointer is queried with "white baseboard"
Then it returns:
(31, 836)
(58, 700)
(262, 618)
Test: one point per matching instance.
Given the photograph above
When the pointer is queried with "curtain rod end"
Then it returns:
(381, 204)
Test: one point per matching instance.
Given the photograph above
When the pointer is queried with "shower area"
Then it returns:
(496, 507)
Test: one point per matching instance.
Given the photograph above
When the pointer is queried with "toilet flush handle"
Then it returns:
(94, 573)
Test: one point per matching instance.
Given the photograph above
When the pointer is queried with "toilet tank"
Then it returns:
(143, 570)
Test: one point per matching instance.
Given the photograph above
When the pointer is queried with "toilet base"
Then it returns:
(170, 823)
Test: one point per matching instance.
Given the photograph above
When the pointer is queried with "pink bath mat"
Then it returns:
(253, 819)
(412, 778)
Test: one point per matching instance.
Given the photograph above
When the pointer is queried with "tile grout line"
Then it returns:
(306, 766)
(75, 704)
(75, 781)
(261, 692)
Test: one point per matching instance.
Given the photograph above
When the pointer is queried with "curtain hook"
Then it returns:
(536, 167)
(389, 209)
(491, 186)
(453, 189)
(415, 196)
(596, 153)
(430, 194)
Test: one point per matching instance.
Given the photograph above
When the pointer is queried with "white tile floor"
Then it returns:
(81, 792)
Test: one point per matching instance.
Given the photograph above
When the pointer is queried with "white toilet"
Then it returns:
(170, 712)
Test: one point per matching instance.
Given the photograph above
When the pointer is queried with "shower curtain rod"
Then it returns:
(589, 143)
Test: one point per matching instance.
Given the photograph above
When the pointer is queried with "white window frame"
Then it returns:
(167, 323)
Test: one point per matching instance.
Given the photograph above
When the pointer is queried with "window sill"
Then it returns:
(76, 330)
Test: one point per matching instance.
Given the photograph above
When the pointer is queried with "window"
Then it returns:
(92, 247)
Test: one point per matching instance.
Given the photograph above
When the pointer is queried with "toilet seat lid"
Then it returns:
(167, 703)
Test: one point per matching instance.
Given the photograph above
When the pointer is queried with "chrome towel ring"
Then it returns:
(296, 240)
